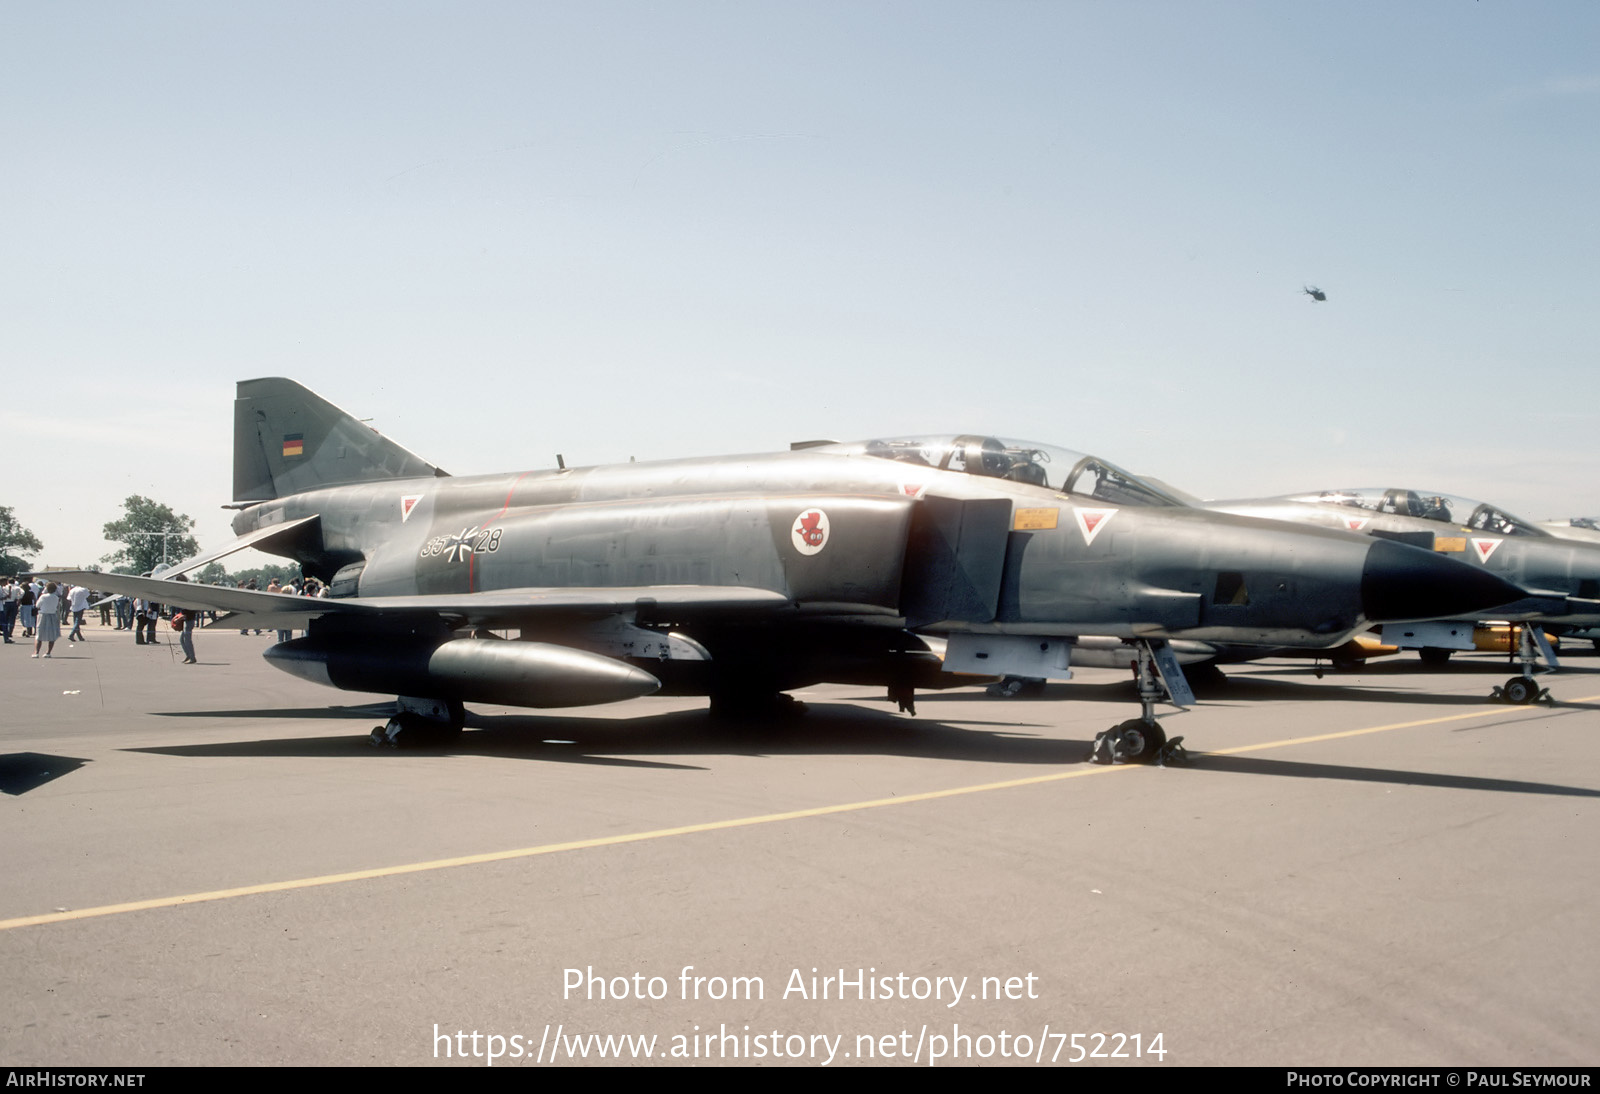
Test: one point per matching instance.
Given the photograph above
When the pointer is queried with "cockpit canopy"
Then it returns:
(1446, 508)
(1044, 465)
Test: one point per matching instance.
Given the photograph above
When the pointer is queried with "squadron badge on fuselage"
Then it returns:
(810, 531)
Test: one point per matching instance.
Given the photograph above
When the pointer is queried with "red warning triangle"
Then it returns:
(1090, 521)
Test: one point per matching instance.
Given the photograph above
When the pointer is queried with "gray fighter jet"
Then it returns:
(1582, 529)
(1560, 576)
(900, 562)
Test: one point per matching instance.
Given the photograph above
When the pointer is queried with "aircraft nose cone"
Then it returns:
(1399, 582)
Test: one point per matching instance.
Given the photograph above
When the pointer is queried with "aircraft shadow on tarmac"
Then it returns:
(1239, 687)
(21, 772)
(1254, 765)
(364, 712)
(826, 729)
(1404, 669)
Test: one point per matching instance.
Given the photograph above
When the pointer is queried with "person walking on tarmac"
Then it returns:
(185, 618)
(146, 614)
(186, 638)
(80, 604)
(47, 631)
(10, 597)
(25, 610)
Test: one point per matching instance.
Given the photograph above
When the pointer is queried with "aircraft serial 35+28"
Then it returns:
(897, 562)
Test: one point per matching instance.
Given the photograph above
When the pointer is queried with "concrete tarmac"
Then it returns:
(209, 864)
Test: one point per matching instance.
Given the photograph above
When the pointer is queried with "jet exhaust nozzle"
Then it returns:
(1401, 583)
(524, 674)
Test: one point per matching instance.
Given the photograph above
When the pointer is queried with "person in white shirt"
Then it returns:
(10, 598)
(80, 603)
(47, 629)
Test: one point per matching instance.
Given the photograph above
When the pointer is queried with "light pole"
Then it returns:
(165, 535)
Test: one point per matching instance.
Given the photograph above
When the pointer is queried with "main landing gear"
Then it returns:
(1532, 647)
(419, 723)
(904, 696)
(730, 704)
(1012, 686)
(1142, 740)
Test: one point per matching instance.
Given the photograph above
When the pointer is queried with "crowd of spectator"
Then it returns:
(38, 608)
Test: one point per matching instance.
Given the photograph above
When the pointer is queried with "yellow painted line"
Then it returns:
(1374, 729)
(692, 829)
(546, 849)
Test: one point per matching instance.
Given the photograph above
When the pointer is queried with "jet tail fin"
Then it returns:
(288, 439)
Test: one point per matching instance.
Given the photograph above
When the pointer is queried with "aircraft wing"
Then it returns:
(261, 538)
(497, 608)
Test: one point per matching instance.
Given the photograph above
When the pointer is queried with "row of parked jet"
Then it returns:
(904, 562)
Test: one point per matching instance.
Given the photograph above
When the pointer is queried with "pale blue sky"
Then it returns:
(655, 230)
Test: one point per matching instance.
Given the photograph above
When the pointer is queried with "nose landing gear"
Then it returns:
(1142, 740)
(1532, 647)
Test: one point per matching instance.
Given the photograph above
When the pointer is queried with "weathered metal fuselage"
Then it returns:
(898, 561)
(1563, 571)
(892, 548)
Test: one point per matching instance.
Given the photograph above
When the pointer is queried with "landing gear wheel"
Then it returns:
(1519, 690)
(1012, 686)
(1434, 657)
(1135, 741)
(408, 730)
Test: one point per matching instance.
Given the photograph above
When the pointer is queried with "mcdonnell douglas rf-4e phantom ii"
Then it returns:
(897, 562)
(1560, 576)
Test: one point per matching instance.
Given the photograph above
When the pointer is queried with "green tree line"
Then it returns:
(148, 533)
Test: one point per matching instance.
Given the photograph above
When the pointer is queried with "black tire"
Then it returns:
(1434, 657)
(419, 732)
(1141, 740)
(1519, 690)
